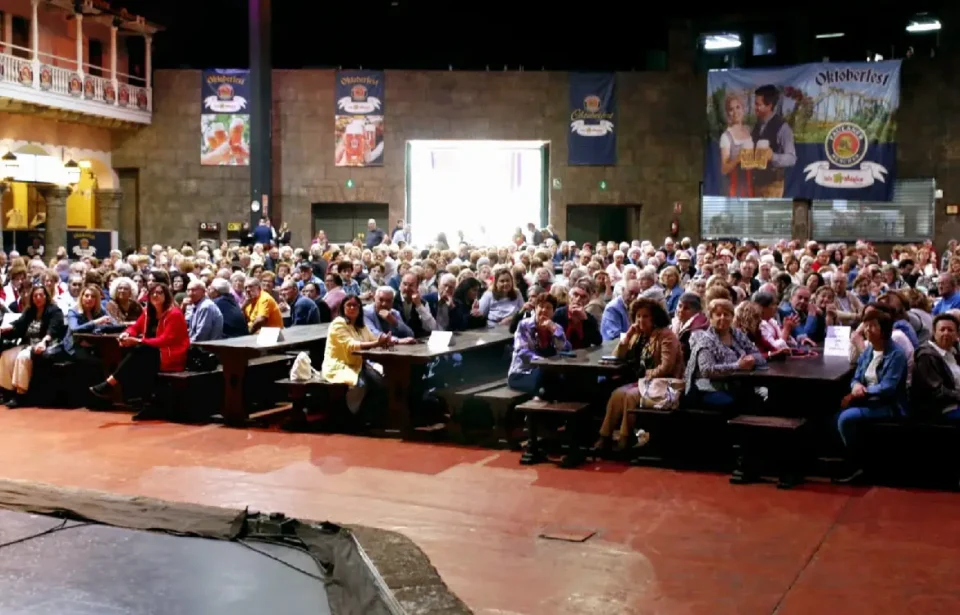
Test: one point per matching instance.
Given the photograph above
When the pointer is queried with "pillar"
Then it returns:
(800, 225)
(8, 32)
(261, 94)
(113, 60)
(108, 209)
(56, 226)
(148, 68)
(79, 17)
(3, 188)
(35, 41)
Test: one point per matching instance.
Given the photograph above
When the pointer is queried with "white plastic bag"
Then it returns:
(302, 370)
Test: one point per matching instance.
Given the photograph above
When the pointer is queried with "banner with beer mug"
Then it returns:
(592, 139)
(358, 118)
(225, 117)
(816, 131)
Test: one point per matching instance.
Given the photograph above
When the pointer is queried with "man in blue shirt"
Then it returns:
(299, 310)
(949, 298)
(204, 320)
(380, 317)
(234, 323)
(804, 319)
(263, 234)
(616, 316)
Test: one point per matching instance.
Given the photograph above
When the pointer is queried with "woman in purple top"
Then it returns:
(537, 336)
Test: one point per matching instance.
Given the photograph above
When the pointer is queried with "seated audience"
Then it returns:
(688, 319)
(653, 351)
(616, 316)
(580, 327)
(157, 342)
(878, 389)
(935, 389)
(204, 320)
(809, 321)
(123, 305)
(748, 317)
(234, 322)
(381, 317)
(260, 309)
(415, 310)
(85, 317)
(300, 310)
(39, 331)
(501, 301)
(466, 312)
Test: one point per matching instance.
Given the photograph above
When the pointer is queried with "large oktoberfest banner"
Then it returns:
(225, 117)
(593, 122)
(815, 131)
(358, 118)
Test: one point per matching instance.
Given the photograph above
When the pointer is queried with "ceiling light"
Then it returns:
(716, 42)
(831, 35)
(923, 23)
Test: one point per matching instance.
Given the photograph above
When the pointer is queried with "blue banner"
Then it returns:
(90, 242)
(815, 131)
(593, 108)
(225, 117)
(358, 118)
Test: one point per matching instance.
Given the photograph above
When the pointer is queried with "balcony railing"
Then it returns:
(54, 81)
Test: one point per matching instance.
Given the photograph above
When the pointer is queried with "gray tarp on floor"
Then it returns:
(406, 579)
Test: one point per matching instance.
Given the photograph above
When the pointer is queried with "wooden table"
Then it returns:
(108, 348)
(586, 360)
(806, 369)
(404, 366)
(235, 354)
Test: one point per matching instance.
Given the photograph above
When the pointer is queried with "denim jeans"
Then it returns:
(849, 420)
(528, 383)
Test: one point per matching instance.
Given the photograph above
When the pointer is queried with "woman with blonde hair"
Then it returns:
(737, 181)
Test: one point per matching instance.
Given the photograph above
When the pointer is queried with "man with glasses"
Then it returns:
(260, 309)
(68, 300)
(580, 327)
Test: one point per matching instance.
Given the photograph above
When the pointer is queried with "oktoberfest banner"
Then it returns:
(225, 117)
(358, 119)
(815, 131)
(90, 243)
(593, 135)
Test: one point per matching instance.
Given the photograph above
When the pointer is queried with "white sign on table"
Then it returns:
(269, 335)
(440, 340)
(837, 343)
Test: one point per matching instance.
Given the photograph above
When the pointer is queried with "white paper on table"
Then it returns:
(269, 335)
(837, 343)
(440, 340)
(9, 318)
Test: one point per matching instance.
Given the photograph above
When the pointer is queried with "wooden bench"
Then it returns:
(502, 401)
(768, 441)
(573, 412)
(913, 451)
(314, 401)
(681, 434)
(195, 395)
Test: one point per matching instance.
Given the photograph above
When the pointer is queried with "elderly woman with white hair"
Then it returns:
(123, 306)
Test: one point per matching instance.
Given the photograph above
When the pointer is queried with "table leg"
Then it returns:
(532, 455)
(234, 407)
(398, 376)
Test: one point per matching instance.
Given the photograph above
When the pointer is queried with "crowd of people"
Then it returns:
(674, 311)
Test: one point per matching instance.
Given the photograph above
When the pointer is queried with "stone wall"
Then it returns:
(660, 139)
(659, 146)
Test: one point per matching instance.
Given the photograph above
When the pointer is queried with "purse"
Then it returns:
(661, 393)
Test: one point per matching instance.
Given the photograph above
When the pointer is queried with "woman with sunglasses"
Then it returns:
(158, 342)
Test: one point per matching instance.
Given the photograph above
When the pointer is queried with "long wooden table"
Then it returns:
(235, 354)
(404, 367)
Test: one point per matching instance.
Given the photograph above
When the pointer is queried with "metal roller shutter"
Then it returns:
(908, 217)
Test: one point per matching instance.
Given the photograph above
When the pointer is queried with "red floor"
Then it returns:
(666, 542)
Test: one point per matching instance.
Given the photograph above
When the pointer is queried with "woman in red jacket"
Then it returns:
(158, 342)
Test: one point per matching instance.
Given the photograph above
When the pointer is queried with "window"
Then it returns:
(733, 218)
(908, 217)
(764, 44)
(21, 37)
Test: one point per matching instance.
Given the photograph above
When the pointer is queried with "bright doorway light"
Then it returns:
(484, 189)
(718, 42)
(831, 35)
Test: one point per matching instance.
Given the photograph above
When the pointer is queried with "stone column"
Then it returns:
(108, 209)
(56, 227)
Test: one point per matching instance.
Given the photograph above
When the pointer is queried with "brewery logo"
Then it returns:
(846, 144)
(89, 88)
(359, 102)
(46, 77)
(225, 101)
(109, 94)
(142, 99)
(358, 93)
(75, 87)
(124, 96)
(591, 121)
(26, 74)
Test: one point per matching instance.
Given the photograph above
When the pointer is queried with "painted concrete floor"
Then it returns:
(667, 543)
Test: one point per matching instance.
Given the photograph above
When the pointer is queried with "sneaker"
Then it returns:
(102, 390)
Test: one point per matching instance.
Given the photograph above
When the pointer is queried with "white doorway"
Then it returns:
(484, 189)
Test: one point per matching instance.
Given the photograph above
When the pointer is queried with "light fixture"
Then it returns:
(85, 164)
(831, 35)
(718, 42)
(923, 22)
(9, 166)
(72, 170)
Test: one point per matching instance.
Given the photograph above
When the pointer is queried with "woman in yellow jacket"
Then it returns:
(342, 364)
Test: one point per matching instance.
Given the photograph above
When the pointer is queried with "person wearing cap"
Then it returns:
(307, 276)
(687, 271)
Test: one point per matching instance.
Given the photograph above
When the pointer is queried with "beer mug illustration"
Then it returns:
(370, 135)
(211, 139)
(353, 143)
(236, 131)
(747, 158)
(219, 134)
(763, 153)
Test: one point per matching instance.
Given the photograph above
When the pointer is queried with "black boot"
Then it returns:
(15, 401)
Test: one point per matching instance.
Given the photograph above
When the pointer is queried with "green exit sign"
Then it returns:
(602, 184)
(349, 183)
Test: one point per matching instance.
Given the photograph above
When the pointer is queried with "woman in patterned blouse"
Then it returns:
(718, 351)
